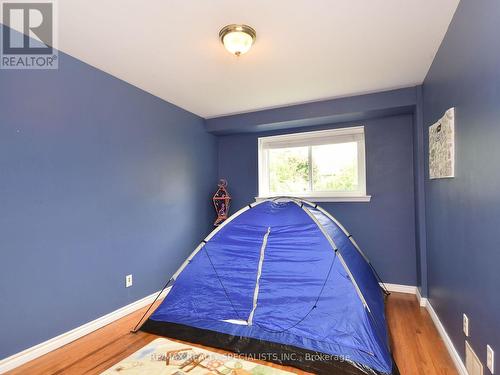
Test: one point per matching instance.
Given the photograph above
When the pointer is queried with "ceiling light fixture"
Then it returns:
(237, 39)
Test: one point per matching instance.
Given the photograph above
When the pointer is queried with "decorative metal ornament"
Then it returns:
(221, 201)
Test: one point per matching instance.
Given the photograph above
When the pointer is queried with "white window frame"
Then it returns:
(331, 136)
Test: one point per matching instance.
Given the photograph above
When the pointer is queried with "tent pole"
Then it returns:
(188, 259)
(351, 238)
(210, 236)
(341, 258)
(336, 250)
(137, 327)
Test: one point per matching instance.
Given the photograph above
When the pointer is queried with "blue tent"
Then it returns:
(281, 280)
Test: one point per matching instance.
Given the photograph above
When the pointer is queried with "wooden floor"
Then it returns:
(417, 346)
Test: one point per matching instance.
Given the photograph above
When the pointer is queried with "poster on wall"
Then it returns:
(442, 147)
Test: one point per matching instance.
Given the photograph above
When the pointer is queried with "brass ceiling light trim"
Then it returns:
(237, 39)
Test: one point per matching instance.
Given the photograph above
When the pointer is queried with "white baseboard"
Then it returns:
(45, 347)
(400, 288)
(421, 300)
(408, 289)
(424, 302)
(447, 341)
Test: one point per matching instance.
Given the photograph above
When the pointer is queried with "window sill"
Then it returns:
(360, 198)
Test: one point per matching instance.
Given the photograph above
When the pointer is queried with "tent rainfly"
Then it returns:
(283, 281)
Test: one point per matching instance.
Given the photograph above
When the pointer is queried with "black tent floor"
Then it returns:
(310, 361)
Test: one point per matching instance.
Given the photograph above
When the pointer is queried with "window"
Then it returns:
(326, 165)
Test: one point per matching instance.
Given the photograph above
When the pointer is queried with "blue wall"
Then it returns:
(323, 112)
(463, 214)
(98, 179)
(384, 227)
(90, 168)
(419, 186)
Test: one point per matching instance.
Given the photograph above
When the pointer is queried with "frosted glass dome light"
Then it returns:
(237, 39)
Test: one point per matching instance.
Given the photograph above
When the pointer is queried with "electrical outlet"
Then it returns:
(490, 359)
(472, 362)
(466, 325)
(128, 281)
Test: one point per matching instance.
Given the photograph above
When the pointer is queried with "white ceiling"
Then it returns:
(306, 49)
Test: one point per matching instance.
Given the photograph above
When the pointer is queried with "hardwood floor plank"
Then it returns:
(417, 347)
